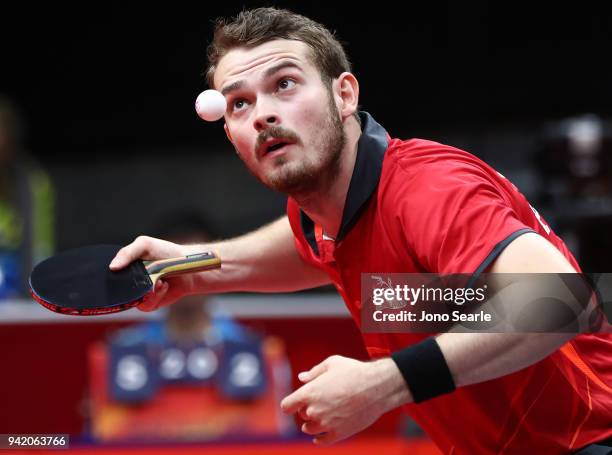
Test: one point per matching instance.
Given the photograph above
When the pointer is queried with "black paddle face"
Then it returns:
(79, 282)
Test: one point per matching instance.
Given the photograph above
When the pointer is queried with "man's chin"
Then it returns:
(292, 184)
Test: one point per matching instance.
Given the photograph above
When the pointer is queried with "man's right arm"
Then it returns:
(264, 260)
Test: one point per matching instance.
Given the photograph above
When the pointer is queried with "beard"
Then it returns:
(314, 172)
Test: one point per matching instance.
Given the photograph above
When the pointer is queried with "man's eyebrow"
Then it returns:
(275, 69)
(232, 87)
(268, 73)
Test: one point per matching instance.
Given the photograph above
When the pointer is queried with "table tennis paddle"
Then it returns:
(79, 281)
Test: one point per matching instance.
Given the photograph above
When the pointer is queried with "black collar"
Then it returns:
(371, 149)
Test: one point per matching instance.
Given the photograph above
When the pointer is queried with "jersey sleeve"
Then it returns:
(460, 219)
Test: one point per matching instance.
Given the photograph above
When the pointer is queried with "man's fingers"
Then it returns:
(314, 372)
(138, 249)
(312, 428)
(302, 412)
(325, 438)
(123, 257)
(153, 300)
(292, 403)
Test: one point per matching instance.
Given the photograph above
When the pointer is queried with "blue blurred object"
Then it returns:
(144, 358)
(155, 331)
(197, 364)
(9, 274)
(133, 372)
(242, 373)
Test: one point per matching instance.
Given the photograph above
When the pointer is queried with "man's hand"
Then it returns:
(168, 290)
(342, 396)
(250, 263)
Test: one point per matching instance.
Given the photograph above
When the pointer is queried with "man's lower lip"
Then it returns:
(278, 151)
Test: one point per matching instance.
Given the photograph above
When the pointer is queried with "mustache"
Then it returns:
(276, 132)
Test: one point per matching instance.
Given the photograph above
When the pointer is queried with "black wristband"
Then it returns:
(425, 370)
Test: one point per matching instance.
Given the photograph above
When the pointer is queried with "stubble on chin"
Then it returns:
(292, 178)
(311, 174)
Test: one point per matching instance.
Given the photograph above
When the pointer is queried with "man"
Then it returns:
(360, 201)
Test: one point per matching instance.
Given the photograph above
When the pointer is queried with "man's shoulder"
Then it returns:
(416, 159)
(425, 176)
(423, 152)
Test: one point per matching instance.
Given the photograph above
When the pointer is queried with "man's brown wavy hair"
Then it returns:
(253, 27)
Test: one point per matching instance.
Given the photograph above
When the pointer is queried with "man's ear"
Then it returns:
(346, 92)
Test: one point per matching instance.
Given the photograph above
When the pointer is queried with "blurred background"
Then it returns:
(99, 143)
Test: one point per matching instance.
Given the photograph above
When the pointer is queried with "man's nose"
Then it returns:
(265, 116)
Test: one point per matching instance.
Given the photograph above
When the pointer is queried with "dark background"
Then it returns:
(107, 92)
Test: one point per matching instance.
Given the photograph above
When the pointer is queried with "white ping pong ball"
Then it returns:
(210, 105)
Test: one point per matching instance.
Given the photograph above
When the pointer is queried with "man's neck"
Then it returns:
(326, 207)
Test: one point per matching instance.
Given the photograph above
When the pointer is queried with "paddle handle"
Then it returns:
(185, 264)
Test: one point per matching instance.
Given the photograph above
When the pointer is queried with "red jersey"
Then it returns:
(419, 206)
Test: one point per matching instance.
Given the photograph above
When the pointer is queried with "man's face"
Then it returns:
(281, 117)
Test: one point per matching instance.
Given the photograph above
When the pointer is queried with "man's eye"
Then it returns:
(238, 104)
(286, 84)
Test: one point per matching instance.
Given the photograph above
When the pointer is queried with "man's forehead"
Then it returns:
(242, 61)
